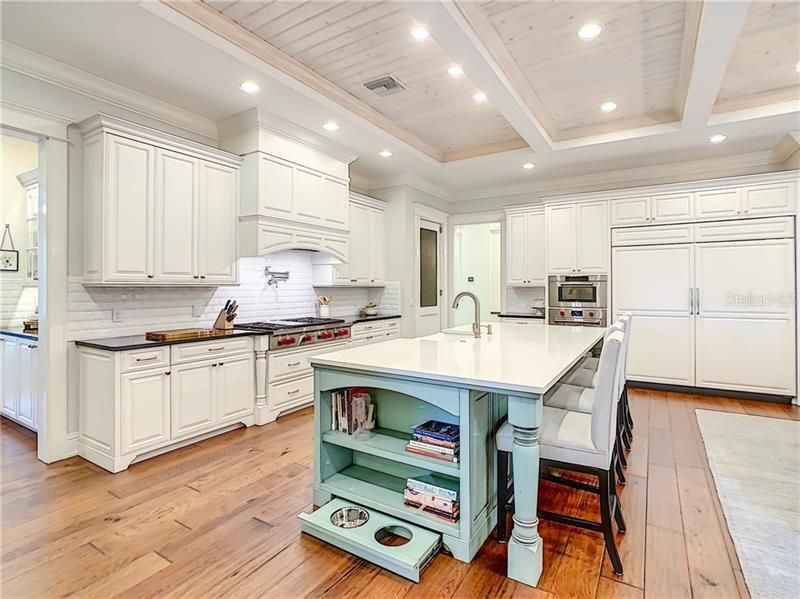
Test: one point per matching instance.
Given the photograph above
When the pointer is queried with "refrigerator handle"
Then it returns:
(697, 296)
(691, 301)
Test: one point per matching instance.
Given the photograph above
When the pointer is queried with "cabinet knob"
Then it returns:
(168, 372)
(202, 276)
(149, 276)
(214, 365)
(222, 363)
(196, 277)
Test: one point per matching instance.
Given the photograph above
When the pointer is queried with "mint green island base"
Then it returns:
(372, 472)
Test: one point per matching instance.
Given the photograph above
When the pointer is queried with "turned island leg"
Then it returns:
(525, 547)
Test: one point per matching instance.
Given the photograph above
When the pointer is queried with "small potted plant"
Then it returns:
(371, 309)
(324, 302)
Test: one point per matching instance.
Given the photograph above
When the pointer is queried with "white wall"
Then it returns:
(17, 301)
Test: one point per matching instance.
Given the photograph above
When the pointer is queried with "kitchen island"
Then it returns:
(455, 378)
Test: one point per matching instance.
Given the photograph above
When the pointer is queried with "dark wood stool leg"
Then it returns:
(502, 494)
(621, 454)
(629, 418)
(605, 520)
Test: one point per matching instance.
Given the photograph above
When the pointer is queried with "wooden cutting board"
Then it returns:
(178, 334)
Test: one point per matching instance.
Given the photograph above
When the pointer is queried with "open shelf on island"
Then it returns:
(383, 492)
(390, 444)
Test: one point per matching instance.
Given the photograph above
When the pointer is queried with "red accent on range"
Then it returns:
(562, 313)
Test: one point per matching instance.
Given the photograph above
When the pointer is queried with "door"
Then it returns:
(377, 250)
(769, 199)
(130, 187)
(144, 406)
(429, 278)
(360, 244)
(561, 245)
(672, 207)
(11, 377)
(193, 398)
(29, 384)
(176, 217)
(745, 316)
(630, 211)
(235, 388)
(516, 245)
(219, 201)
(592, 237)
(717, 203)
(654, 283)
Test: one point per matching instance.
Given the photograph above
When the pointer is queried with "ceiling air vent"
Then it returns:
(386, 85)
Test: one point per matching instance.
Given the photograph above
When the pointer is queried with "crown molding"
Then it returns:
(410, 180)
(27, 121)
(37, 66)
(294, 132)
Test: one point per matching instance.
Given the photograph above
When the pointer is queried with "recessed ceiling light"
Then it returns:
(455, 71)
(590, 31)
(717, 138)
(797, 67)
(479, 97)
(419, 33)
(251, 87)
(331, 126)
(385, 153)
(528, 166)
(608, 106)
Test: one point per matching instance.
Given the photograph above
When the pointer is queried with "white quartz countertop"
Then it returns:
(528, 359)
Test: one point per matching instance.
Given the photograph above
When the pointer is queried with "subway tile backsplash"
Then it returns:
(522, 299)
(110, 312)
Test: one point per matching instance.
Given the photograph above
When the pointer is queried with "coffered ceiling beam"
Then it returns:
(721, 23)
(464, 33)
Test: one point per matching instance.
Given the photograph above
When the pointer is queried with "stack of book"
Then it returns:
(434, 495)
(435, 439)
(352, 411)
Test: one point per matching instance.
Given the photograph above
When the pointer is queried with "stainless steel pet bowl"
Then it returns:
(349, 517)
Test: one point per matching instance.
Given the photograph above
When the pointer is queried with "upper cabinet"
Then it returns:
(525, 248)
(158, 209)
(364, 266)
(577, 237)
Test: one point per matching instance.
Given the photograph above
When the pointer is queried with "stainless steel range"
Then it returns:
(296, 332)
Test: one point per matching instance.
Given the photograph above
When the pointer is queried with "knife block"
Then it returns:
(221, 324)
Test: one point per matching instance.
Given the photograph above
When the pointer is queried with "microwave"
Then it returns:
(578, 291)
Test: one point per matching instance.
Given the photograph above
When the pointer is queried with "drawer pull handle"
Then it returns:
(216, 348)
(146, 359)
(222, 363)
(168, 372)
(291, 364)
(293, 392)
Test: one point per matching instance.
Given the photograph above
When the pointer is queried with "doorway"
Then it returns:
(429, 277)
(477, 268)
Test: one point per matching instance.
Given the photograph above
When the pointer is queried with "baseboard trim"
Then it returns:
(783, 399)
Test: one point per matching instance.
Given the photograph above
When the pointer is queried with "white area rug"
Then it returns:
(756, 466)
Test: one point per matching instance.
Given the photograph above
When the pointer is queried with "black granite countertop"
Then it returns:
(19, 332)
(355, 319)
(141, 342)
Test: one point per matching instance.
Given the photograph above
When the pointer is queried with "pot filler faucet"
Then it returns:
(476, 325)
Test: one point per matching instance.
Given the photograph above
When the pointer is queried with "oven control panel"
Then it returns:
(592, 317)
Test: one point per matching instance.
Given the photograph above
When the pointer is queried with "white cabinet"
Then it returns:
(717, 203)
(630, 211)
(772, 198)
(525, 248)
(374, 331)
(20, 380)
(648, 209)
(577, 237)
(365, 266)
(158, 209)
(137, 401)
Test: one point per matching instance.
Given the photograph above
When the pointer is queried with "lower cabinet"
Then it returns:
(127, 409)
(365, 333)
(20, 380)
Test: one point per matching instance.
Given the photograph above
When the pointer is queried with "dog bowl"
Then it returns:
(349, 517)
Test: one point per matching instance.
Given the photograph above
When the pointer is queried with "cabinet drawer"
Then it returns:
(393, 325)
(653, 235)
(284, 365)
(290, 393)
(139, 359)
(367, 328)
(739, 230)
(210, 349)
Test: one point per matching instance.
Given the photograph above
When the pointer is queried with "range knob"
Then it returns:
(308, 338)
(340, 333)
(562, 313)
(325, 335)
(591, 314)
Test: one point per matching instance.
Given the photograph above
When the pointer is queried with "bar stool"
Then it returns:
(580, 442)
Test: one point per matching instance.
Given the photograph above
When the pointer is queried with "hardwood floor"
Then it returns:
(217, 518)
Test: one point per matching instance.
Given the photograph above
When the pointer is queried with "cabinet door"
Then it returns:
(144, 410)
(717, 202)
(219, 191)
(176, 222)
(29, 384)
(653, 283)
(593, 237)
(130, 186)
(377, 247)
(275, 187)
(11, 377)
(516, 241)
(334, 201)
(630, 211)
(308, 195)
(193, 398)
(666, 208)
(778, 198)
(235, 388)
(360, 243)
(534, 249)
(561, 245)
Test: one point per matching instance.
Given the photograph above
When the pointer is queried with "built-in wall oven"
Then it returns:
(577, 300)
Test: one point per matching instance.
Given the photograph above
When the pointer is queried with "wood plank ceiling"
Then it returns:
(351, 42)
(762, 69)
(635, 62)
